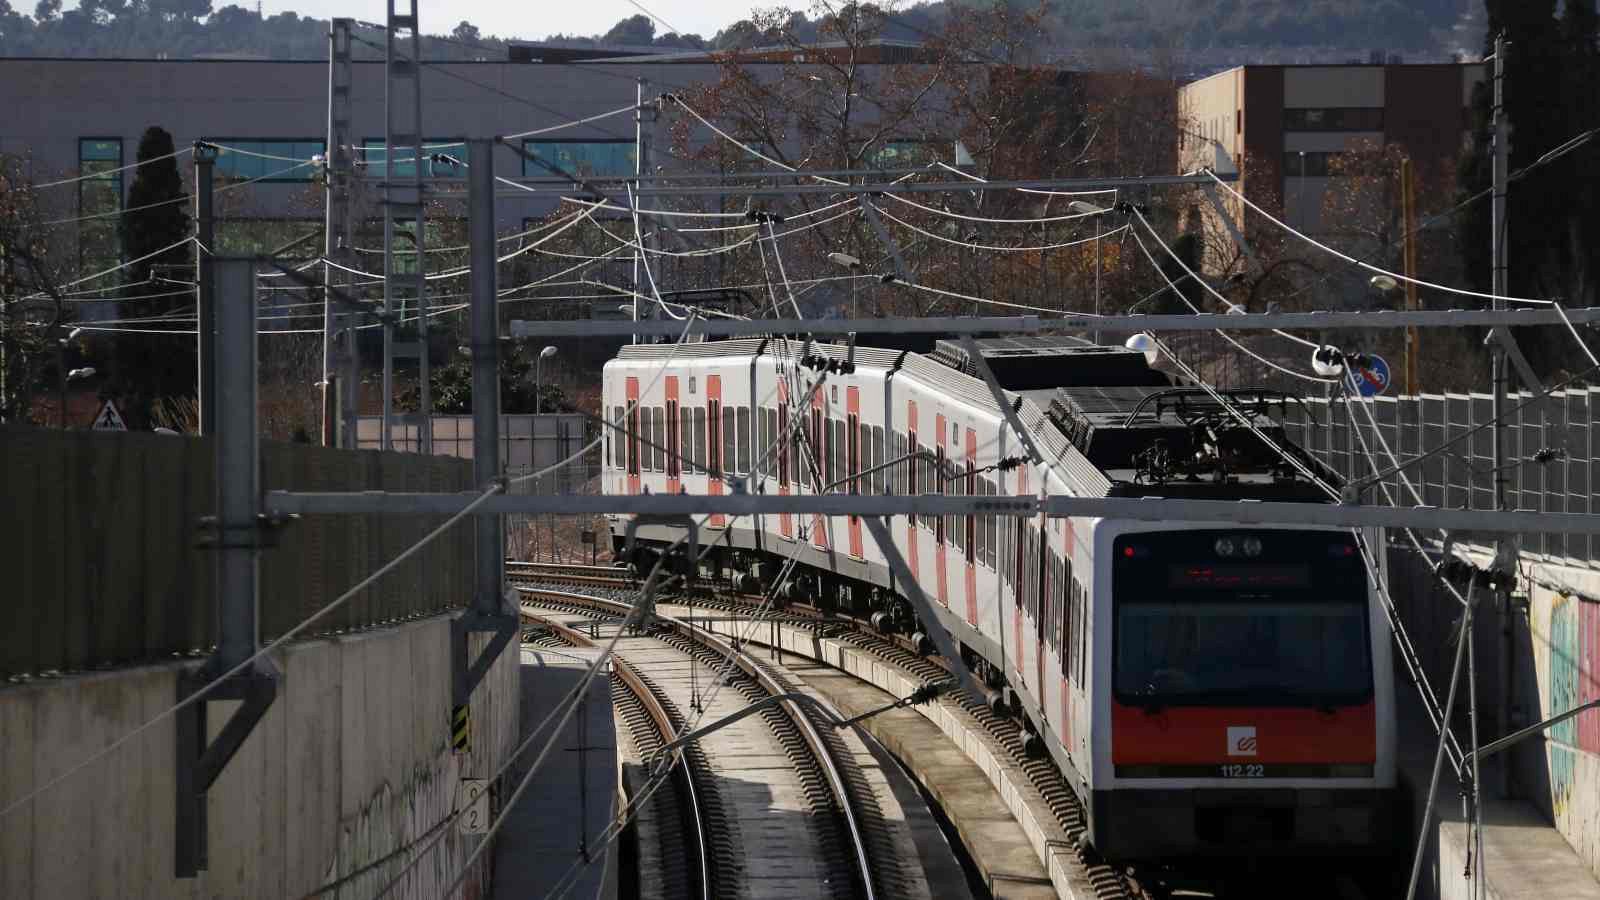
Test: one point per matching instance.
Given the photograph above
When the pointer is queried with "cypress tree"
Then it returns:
(150, 367)
(1549, 98)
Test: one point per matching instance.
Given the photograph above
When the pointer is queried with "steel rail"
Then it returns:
(658, 714)
(802, 722)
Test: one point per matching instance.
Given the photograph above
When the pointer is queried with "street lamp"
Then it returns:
(853, 264)
(538, 364)
(1089, 209)
(62, 376)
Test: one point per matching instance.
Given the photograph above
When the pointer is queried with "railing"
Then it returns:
(1548, 464)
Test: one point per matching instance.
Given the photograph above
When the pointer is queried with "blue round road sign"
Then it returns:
(1374, 379)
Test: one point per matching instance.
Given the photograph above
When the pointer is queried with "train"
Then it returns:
(1207, 689)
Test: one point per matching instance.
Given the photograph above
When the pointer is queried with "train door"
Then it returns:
(785, 521)
(939, 535)
(633, 435)
(714, 460)
(674, 463)
(913, 466)
(852, 437)
(971, 525)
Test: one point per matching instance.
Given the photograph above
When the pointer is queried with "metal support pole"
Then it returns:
(486, 614)
(205, 287)
(235, 535)
(1500, 289)
(337, 411)
(238, 468)
(638, 169)
(485, 367)
(1426, 824)
(404, 199)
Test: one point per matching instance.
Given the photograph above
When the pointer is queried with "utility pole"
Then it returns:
(1501, 288)
(404, 199)
(338, 389)
(638, 169)
(1408, 204)
(205, 157)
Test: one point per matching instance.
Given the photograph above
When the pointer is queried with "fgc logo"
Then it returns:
(1241, 740)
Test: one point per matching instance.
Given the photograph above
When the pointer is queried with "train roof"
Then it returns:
(1183, 441)
(1035, 362)
(1179, 443)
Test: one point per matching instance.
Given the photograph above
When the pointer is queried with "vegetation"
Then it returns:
(188, 28)
(1553, 227)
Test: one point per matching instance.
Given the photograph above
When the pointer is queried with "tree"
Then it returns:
(33, 309)
(467, 33)
(635, 29)
(156, 217)
(47, 10)
(1553, 221)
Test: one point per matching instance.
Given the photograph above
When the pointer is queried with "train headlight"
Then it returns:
(1226, 547)
(1251, 546)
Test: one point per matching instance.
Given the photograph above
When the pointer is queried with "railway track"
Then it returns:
(836, 844)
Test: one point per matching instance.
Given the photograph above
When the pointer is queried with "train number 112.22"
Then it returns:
(1245, 770)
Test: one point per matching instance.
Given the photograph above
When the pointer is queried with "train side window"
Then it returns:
(1069, 646)
(659, 430)
(633, 439)
(697, 432)
(1083, 633)
(744, 439)
(673, 461)
(913, 465)
(686, 457)
(877, 459)
(839, 452)
(937, 485)
(769, 453)
(611, 433)
(714, 438)
(729, 456)
(982, 532)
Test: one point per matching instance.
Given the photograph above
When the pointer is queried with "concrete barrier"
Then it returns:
(351, 764)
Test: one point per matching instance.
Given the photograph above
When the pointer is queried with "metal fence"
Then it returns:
(1548, 464)
(527, 442)
(102, 554)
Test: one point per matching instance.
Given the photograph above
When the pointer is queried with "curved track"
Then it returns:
(836, 843)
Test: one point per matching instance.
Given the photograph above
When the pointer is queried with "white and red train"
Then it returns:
(1207, 689)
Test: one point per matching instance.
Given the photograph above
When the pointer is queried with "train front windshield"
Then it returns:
(1240, 618)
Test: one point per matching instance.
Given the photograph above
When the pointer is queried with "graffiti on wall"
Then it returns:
(1574, 678)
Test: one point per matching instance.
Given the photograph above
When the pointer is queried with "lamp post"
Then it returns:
(854, 265)
(62, 376)
(538, 365)
(1089, 209)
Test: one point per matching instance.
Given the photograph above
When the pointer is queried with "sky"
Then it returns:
(528, 19)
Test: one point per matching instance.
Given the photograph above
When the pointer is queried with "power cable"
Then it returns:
(103, 174)
(993, 247)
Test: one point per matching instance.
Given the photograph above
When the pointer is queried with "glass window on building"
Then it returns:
(902, 155)
(1309, 164)
(99, 238)
(1333, 119)
(444, 159)
(584, 159)
(269, 159)
(288, 238)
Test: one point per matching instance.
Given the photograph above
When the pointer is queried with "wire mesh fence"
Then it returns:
(1438, 450)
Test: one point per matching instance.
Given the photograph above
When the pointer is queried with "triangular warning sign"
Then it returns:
(108, 419)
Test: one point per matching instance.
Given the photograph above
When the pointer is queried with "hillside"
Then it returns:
(1310, 28)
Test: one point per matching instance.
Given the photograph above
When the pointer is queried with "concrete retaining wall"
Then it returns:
(1564, 780)
(351, 763)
